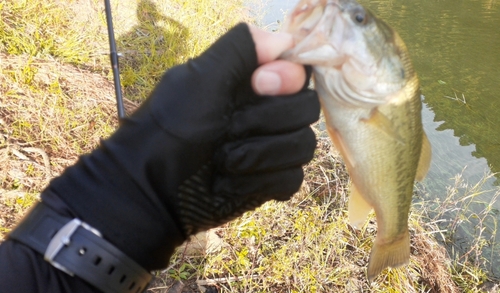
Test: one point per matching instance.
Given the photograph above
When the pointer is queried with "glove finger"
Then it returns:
(205, 88)
(269, 153)
(269, 115)
(231, 59)
(278, 185)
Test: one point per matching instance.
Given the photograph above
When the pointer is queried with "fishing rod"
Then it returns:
(114, 61)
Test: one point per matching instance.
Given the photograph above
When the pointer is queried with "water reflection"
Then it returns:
(455, 48)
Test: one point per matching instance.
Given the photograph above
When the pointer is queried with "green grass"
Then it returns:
(57, 102)
(169, 33)
(40, 28)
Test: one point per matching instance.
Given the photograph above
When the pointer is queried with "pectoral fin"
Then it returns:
(425, 159)
(379, 121)
(340, 145)
(358, 208)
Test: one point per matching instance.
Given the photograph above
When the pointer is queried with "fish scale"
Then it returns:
(370, 98)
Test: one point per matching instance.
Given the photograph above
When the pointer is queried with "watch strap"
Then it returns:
(78, 249)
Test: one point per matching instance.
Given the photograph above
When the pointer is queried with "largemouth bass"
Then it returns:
(370, 98)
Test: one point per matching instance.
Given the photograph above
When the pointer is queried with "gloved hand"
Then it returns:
(200, 151)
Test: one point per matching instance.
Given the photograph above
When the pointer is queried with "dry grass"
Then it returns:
(50, 113)
(56, 97)
(306, 245)
(466, 223)
(57, 102)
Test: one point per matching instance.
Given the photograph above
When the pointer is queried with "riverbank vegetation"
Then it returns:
(57, 102)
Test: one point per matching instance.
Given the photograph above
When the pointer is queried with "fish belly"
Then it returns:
(382, 161)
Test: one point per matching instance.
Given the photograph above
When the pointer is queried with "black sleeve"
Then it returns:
(22, 270)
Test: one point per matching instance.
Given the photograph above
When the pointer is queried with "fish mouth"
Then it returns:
(319, 29)
(311, 24)
(330, 36)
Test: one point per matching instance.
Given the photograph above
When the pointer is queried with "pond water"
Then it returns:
(455, 48)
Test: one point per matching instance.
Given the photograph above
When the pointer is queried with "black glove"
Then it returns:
(202, 150)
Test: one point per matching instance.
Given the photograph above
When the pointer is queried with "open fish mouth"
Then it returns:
(311, 25)
(343, 38)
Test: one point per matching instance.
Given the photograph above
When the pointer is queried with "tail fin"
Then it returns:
(394, 254)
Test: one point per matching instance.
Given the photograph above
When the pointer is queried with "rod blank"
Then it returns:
(114, 61)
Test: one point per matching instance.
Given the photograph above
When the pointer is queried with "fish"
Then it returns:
(371, 101)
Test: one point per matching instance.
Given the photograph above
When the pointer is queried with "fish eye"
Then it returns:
(360, 16)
